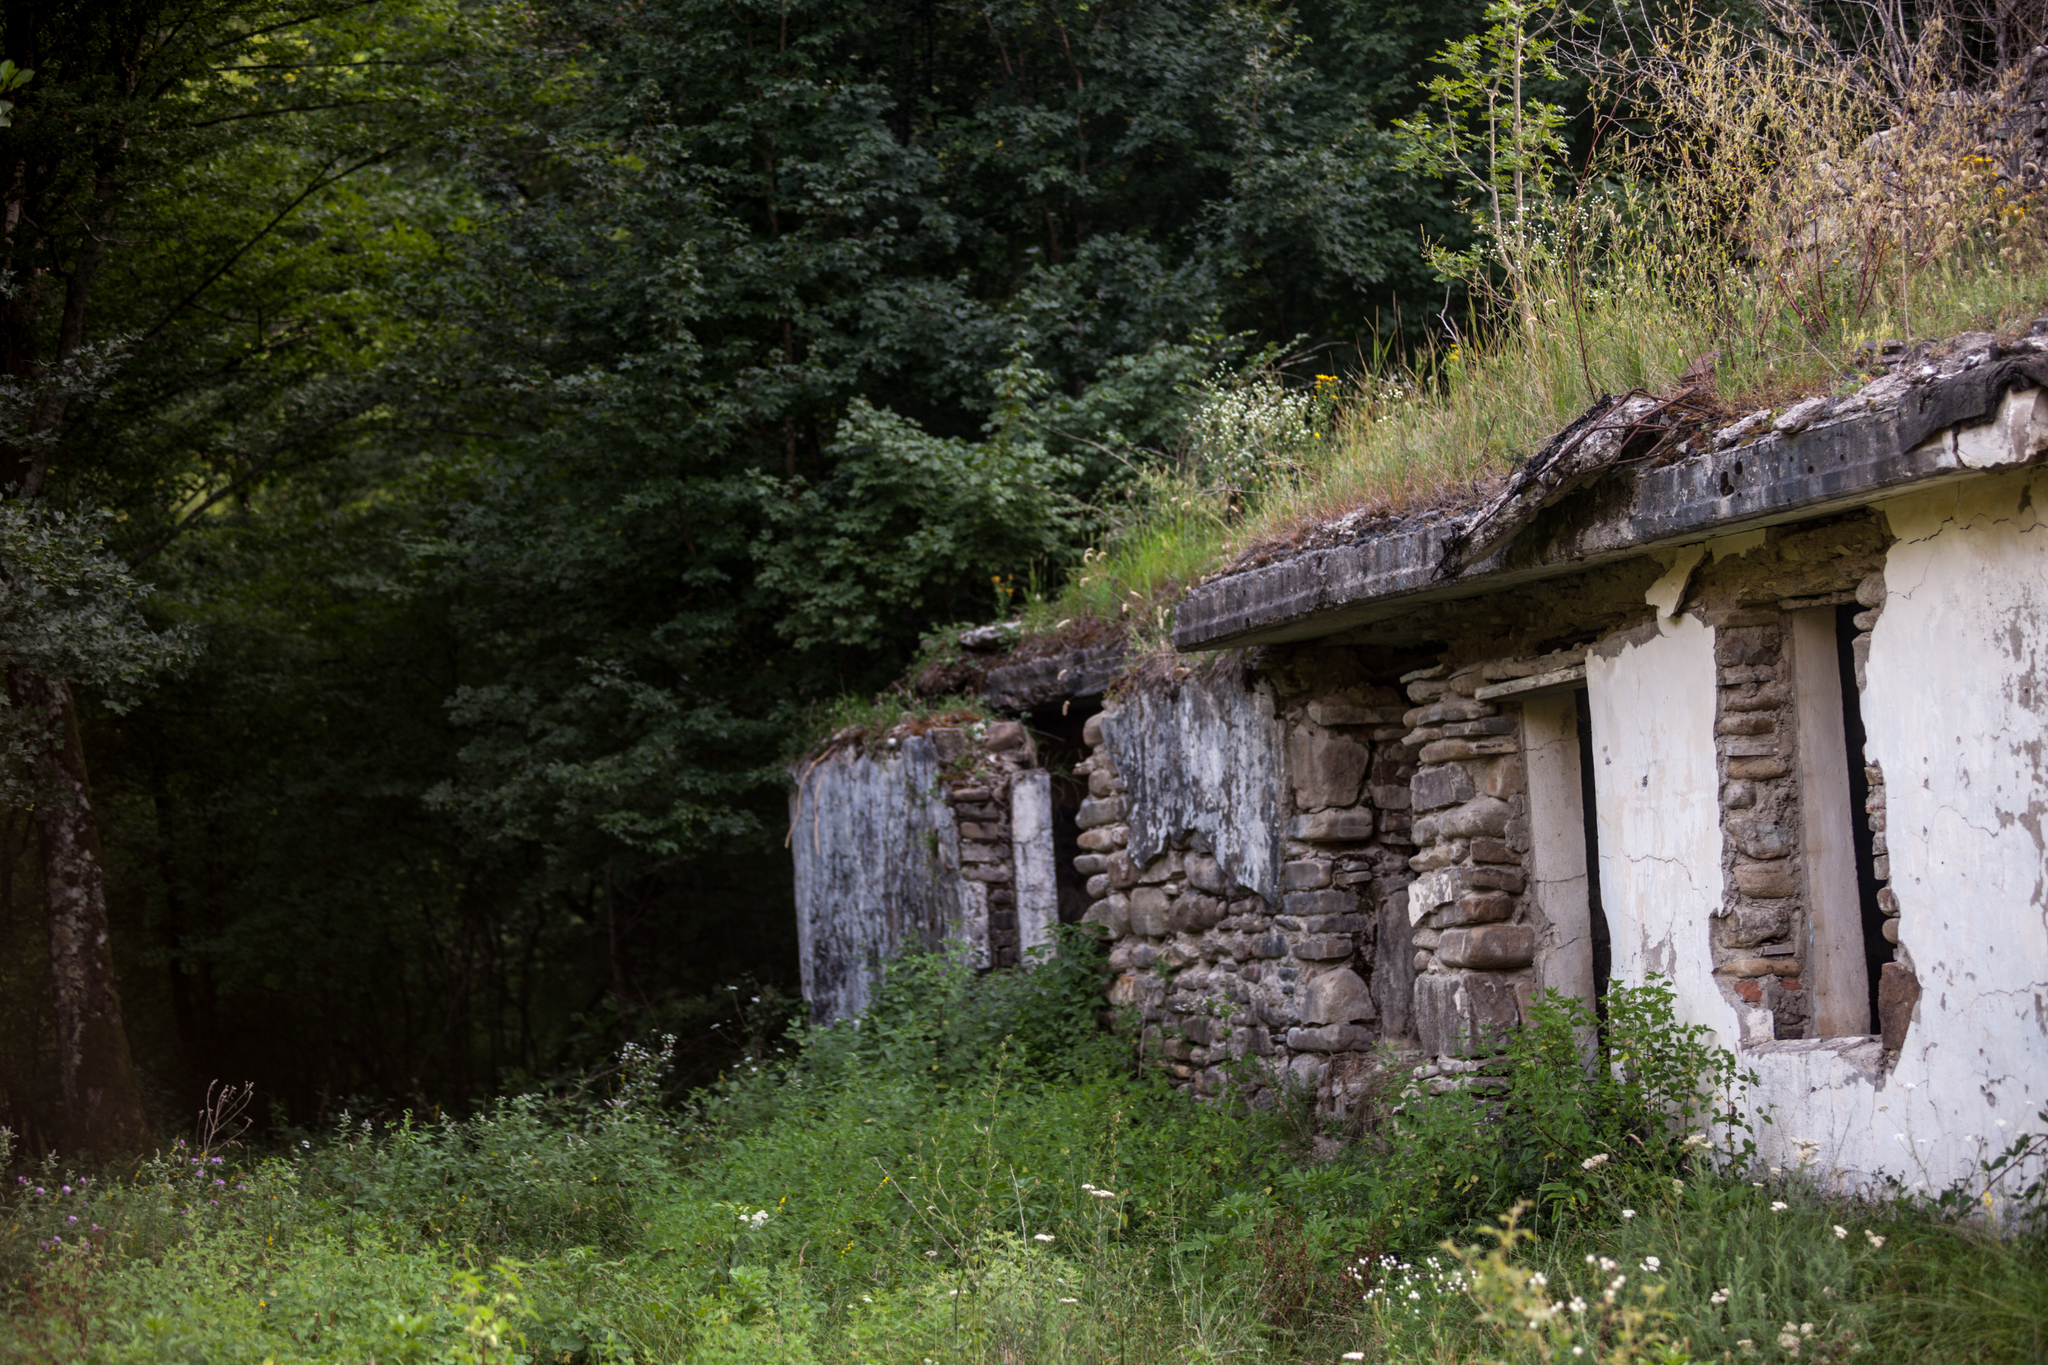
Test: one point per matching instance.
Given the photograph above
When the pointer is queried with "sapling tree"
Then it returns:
(1493, 134)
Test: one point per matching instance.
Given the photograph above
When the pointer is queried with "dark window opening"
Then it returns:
(1060, 747)
(1876, 952)
(1603, 943)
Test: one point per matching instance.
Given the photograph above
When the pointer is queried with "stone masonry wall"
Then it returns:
(1333, 861)
(1762, 922)
(1870, 596)
(1760, 936)
(1475, 929)
(1276, 985)
(979, 793)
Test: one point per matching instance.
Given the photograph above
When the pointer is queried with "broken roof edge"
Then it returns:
(1832, 466)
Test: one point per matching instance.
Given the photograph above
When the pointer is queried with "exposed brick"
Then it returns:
(1303, 875)
(1765, 881)
(1490, 947)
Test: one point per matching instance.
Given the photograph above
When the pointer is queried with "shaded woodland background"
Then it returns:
(480, 436)
(520, 415)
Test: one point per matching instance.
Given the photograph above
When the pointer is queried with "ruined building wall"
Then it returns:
(877, 858)
(942, 836)
(1245, 842)
(1310, 856)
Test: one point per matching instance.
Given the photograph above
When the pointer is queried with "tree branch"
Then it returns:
(319, 183)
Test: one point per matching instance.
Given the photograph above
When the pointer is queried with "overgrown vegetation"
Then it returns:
(1757, 204)
(524, 416)
(976, 1173)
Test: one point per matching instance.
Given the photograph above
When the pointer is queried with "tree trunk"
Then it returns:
(102, 1100)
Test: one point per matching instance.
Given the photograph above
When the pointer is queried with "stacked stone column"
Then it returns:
(1473, 929)
(1763, 921)
(1870, 595)
(1346, 853)
(979, 790)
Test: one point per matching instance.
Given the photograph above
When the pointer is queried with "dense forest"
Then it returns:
(450, 448)
(453, 453)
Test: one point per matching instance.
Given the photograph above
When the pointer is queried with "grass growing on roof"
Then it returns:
(1790, 202)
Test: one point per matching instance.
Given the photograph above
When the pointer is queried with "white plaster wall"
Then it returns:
(1557, 837)
(1206, 761)
(877, 857)
(1658, 791)
(1036, 871)
(1956, 710)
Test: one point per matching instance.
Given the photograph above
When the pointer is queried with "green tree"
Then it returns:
(129, 108)
(532, 411)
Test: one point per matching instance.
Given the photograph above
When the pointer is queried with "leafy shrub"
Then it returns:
(979, 1173)
(1576, 1114)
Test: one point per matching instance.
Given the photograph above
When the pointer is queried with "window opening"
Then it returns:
(1603, 943)
(1876, 951)
(1058, 730)
(1834, 963)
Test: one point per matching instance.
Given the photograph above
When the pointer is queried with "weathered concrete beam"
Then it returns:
(1933, 433)
(1085, 672)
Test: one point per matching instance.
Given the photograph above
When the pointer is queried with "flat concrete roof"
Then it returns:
(1902, 431)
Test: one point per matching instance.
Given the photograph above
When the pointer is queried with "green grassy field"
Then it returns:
(979, 1175)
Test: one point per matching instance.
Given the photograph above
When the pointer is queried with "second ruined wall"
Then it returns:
(1246, 843)
(1315, 856)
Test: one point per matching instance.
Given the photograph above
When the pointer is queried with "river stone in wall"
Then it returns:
(1206, 764)
(877, 861)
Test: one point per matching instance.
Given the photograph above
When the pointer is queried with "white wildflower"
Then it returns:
(1840, 1232)
(1779, 1206)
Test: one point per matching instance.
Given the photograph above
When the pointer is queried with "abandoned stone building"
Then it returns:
(1761, 709)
